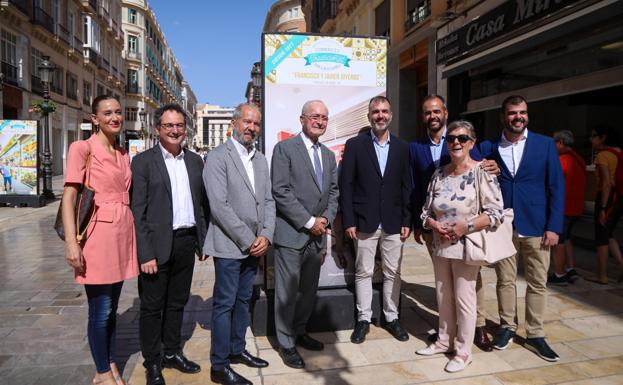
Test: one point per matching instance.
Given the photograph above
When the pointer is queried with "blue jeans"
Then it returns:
(233, 287)
(103, 300)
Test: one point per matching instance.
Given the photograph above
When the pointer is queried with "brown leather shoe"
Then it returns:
(481, 339)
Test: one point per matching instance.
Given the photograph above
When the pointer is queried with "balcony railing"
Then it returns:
(417, 15)
(133, 89)
(78, 45)
(91, 55)
(133, 55)
(40, 17)
(105, 64)
(35, 85)
(63, 34)
(10, 73)
(23, 6)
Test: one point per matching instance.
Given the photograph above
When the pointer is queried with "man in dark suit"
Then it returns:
(304, 177)
(374, 198)
(242, 222)
(533, 186)
(170, 213)
(427, 154)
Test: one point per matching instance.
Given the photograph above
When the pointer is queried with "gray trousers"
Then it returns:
(296, 283)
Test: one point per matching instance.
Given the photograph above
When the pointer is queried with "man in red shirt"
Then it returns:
(574, 171)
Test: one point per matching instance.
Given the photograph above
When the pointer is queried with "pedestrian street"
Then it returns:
(43, 317)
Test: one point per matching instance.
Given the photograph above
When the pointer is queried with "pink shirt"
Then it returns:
(110, 246)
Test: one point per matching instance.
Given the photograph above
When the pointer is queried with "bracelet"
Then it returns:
(470, 226)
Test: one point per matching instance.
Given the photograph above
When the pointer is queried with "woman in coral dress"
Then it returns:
(105, 256)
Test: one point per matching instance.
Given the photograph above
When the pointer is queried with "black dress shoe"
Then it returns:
(305, 341)
(181, 363)
(359, 334)
(397, 331)
(482, 340)
(291, 358)
(227, 376)
(246, 358)
(154, 375)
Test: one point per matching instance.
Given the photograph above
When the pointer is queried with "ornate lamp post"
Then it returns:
(256, 80)
(141, 115)
(46, 72)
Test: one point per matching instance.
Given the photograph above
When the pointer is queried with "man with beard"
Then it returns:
(532, 184)
(170, 214)
(427, 154)
(374, 198)
(242, 223)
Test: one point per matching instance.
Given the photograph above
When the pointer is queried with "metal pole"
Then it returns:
(47, 156)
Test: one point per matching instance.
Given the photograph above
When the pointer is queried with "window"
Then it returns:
(100, 90)
(8, 44)
(58, 77)
(133, 44)
(70, 23)
(72, 86)
(131, 114)
(381, 19)
(132, 84)
(86, 93)
(35, 60)
(132, 16)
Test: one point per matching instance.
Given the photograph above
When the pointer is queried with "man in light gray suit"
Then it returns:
(304, 175)
(241, 228)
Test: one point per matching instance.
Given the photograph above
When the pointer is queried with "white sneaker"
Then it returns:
(431, 350)
(457, 364)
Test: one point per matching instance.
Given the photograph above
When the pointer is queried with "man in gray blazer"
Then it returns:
(304, 175)
(241, 228)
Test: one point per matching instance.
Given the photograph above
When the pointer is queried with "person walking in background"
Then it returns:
(304, 177)
(241, 229)
(170, 211)
(107, 255)
(609, 201)
(453, 192)
(533, 186)
(374, 199)
(426, 155)
(574, 171)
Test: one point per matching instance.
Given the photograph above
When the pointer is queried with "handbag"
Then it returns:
(84, 209)
(489, 246)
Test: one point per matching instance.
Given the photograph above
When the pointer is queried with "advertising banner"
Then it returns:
(18, 157)
(345, 72)
(135, 147)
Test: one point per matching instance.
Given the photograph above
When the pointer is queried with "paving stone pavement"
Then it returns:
(43, 327)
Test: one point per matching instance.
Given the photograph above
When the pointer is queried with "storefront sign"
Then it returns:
(498, 22)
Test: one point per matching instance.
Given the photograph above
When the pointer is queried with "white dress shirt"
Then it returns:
(309, 145)
(511, 153)
(183, 209)
(246, 157)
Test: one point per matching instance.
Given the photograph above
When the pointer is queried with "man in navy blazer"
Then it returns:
(427, 154)
(533, 185)
(374, 198)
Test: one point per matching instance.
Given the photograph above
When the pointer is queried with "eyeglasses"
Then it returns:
(169, 126)
(317, 118)
(461, 138)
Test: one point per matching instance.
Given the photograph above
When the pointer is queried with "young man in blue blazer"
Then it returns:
(533, 185)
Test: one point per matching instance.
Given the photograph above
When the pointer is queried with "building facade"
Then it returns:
(83, 40)
(212, 126)
(285, 16)
(154, 76)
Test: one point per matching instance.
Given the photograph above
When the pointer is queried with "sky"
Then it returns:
(215, 42)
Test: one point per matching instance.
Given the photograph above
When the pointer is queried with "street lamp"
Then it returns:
(46, 72)
(256, 81)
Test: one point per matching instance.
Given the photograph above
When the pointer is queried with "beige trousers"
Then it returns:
(480, 290)
(536, 262)
(455, 283)
(390, 246)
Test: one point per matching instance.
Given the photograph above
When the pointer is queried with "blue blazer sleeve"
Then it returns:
(556, 187)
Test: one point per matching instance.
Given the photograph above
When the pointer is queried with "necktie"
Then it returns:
(317, 166)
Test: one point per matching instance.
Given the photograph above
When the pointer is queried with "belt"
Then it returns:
(112, 197)
(185, 231)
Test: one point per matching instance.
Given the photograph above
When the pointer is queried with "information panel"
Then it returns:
(18, 157)
(345, 72)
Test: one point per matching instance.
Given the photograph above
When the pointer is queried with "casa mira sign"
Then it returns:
(505, 18)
